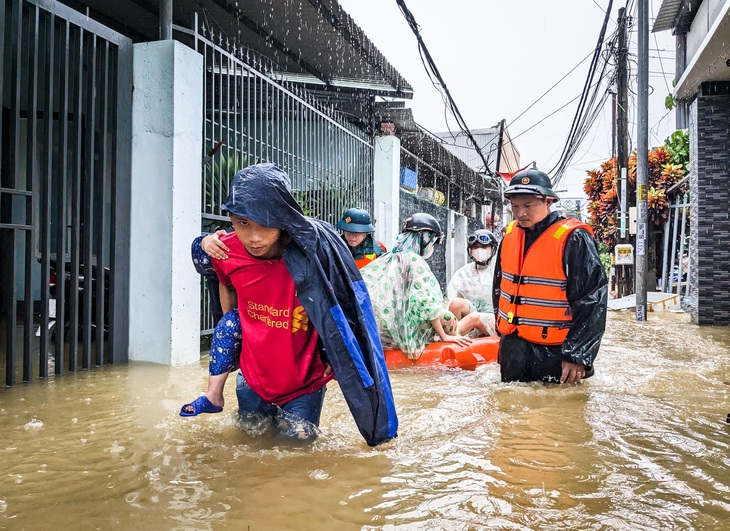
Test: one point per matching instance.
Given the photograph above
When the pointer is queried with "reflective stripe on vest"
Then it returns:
(533, 288)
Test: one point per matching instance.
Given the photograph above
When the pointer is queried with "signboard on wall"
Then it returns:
(624, 254)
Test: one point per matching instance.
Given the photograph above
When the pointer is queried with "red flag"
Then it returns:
(507, 176)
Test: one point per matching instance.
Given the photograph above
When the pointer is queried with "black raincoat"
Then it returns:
(332, 292)
(587, 294)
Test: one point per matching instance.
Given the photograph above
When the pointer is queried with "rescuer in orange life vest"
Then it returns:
(550, 289)
(357, 231)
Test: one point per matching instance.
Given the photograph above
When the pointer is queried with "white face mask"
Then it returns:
(481, 254)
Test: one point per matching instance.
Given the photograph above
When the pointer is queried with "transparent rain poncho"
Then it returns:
(473, 284)
(405, 294)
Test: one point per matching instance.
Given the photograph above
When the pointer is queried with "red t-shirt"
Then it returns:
(280, 358)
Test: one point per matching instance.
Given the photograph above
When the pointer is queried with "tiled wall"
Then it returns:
(710, 212)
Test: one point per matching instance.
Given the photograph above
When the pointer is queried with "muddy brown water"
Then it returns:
(642, 445)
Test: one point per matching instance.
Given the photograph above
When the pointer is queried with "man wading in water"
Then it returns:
(550, 289)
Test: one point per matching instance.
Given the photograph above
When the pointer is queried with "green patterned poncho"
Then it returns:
(406, 296)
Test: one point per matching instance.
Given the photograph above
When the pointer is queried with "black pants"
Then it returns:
(522, 361)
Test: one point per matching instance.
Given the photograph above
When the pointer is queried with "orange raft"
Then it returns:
(481, 351)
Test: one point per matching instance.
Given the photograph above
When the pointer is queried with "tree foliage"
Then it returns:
(667, 166)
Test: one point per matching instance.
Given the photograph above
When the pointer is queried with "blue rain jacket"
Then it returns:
(332, 292)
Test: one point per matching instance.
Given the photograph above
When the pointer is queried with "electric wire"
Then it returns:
(438, 82)
(587, 110)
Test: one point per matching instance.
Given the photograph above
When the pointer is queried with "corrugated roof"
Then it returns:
(667, 15)
(459, 144)
(676, 15)
(314, 39)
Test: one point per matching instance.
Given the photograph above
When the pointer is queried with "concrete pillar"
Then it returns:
(386, 173)
(456, 235)
(167, 118)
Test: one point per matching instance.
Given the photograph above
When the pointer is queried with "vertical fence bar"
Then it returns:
(100, 189)
(248, 117)
(47, 189)
(61, 221)
(16, 35)
(76, 149)
(30, 175)
(226, 115)
(675, 226)
(119, 243)
(236, 121)
(686, 204)
(88, 202)
(5, 48)
(681, 250)
(665, 260)
(221, 136)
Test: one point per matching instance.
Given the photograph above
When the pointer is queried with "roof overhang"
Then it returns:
(676, 15)
(314, 41)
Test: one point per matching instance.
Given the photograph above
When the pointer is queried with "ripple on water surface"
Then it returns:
(643, 444)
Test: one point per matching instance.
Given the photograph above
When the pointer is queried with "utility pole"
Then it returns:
(642, 159)
(624, 283)
(500, 142)
(613, 123)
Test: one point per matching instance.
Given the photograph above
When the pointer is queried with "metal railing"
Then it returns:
(253, 116)
(675, 262)
(65, 144)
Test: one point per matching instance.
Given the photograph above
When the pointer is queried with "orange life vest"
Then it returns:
(533, 288)
(366, 259)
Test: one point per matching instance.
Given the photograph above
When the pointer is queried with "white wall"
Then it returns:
(167, 118)
(703, 21)
(456, 235)
(386, 173)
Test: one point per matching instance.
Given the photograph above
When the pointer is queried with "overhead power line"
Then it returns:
(587, 110)
(551, 88)
(439, 82)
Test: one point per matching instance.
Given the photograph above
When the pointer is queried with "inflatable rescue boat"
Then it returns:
(481, 351)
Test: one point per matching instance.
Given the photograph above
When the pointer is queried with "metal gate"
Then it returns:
(64, 181)
(252, 115)
(675, 262)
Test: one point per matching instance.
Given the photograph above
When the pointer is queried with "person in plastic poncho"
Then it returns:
(407, 299)
(470, 289)
(357, 231)
(550, 289)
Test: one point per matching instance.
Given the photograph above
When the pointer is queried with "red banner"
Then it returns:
(507, 176)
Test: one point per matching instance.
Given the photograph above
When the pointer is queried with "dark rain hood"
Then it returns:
(332, 292)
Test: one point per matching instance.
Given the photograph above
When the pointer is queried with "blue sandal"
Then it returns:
(199, 405)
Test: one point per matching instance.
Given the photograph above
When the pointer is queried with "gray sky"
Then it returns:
(498, 57)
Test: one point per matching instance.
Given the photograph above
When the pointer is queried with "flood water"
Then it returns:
(642, 445)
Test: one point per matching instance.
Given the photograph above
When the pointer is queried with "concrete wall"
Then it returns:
(411, 203)
(167, 115)
(703, 21)
(710, 207)
(386, 197)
